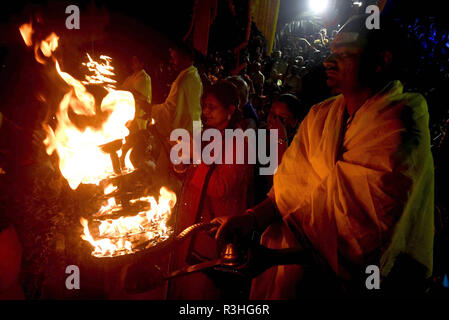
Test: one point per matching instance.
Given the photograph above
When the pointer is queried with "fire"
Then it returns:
(83, 158)
(49, 45)
(128, 163)
(101, 71)
(109, 189)
(124, 234)
(26, 30)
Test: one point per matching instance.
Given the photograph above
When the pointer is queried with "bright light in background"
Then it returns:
(318, 6)
(357, 3)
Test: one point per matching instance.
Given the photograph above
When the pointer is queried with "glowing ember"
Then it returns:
(101, 71)
(126, 234)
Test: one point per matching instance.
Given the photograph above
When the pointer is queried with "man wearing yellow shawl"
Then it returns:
(356, 186)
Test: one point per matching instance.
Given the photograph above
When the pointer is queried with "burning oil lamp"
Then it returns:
(128, 221)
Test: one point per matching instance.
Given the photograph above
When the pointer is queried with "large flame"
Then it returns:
(122, 235)
(26, 30)
(82, 160)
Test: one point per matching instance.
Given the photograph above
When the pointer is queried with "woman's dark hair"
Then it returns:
(225, 92)
(228, 95)
(294, 105)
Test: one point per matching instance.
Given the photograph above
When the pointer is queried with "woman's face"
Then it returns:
(214, 114)
(279, 112)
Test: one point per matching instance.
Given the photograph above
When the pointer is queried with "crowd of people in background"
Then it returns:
(296, 66)
(295, 69)
(276, 91)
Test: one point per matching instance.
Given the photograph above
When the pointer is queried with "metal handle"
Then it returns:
(194, 228)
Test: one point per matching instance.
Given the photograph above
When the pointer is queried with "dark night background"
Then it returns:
(147, 29)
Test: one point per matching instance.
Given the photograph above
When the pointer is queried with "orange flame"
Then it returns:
(128, 163)
(115, 235)
(26, 30)
(101, 71)
(49, 45)
(81, 159)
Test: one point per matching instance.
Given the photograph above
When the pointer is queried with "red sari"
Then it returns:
(209, 191)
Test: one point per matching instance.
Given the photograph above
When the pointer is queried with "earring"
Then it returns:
(229, 117)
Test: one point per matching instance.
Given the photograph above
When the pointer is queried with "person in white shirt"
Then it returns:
(182, 105)
(139, 83)
(179, 110)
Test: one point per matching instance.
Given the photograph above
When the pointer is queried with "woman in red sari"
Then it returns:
(210, 191)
